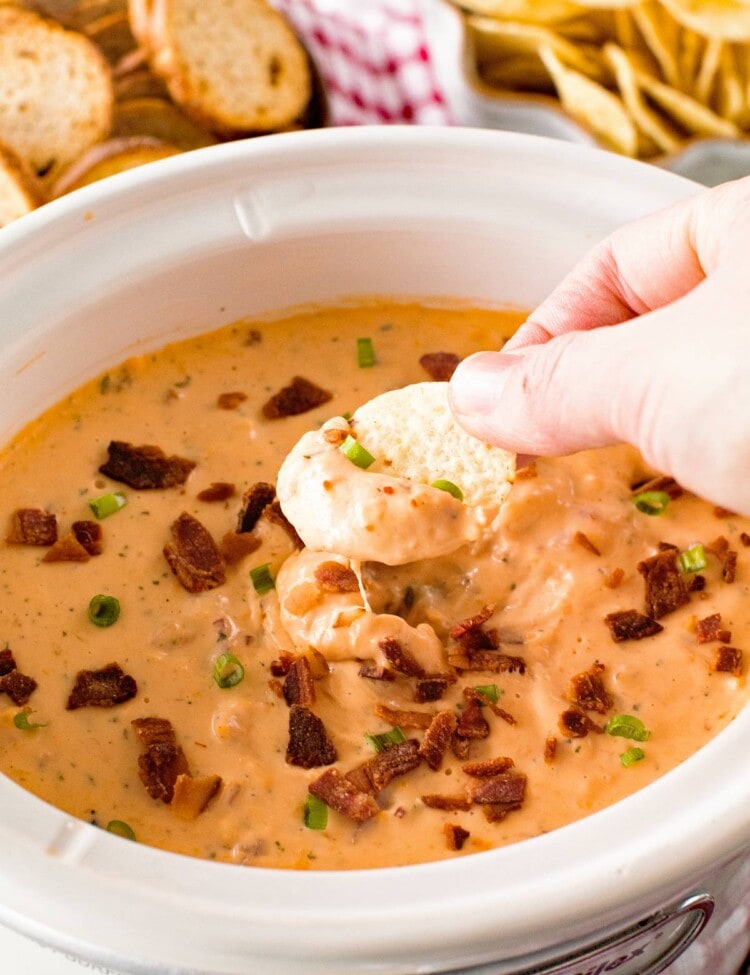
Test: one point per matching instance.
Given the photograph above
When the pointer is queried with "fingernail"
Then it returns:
(477, 384)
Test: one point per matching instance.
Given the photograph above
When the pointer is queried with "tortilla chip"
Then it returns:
(695, 118)
(726, 20)
(650, 123)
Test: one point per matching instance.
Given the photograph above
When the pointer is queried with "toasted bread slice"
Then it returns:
(159, 119)
(234, 65)
(20, 191)
(110, 157)
(55, 91)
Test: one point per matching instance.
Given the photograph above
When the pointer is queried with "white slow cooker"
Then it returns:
(658, 882)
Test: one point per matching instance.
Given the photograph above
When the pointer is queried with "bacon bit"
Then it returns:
(527, 473)
(191, 796)
(405, 719)
(479, 639)
(697, 583)
(280, 667)
(299, 686)
(163, 759)
(495, 663)
(665, 587)
(614, 579)
(667, 547)
(230, 401)
(257, 497)
(729, 569)
(309, 746)
(721, 512)
(726, 556)
(431, 689)
(335, 577)
(277, 517)
(437, 738)
(727, 660)
(373, 672)
(7, 662)
(379, 771)
(439, 366)
(662, 482)
(585, 542)
(454, 803)
(472, 692)
(89, 534)
(472, 623)
(399, 658)
(472, 722)
(32, 526)
(19, 687)
(66, 549)
(336, 791)
(101, 688)
(145, 467)
(508, 788)
(550, 749)
(335, 436)
(587, 690)
(193, 555)
(299, 396)
(710, 628)
(455, 836)
(217, 491)
(254, 337)
(489, 767)
(277, 688)
(745, 539)
(461, 747)
(576, 724)
(496, 812)
(234, 547)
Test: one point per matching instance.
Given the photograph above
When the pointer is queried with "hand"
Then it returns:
(671, 371)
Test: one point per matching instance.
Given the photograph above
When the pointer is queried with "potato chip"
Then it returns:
(727, 20)
(660, 36)
(593, 105)
(519, 72)
(709, 68)
(664, 136)
(695, 118)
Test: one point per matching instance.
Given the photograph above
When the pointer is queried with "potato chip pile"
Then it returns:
(644, 78)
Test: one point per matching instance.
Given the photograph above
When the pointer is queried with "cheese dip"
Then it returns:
(176, 667)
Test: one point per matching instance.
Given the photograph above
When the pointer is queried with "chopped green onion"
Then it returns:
(262, 579)
(693, 559)
(450, 487)
(107, 504)
(228, 671)
(356, 453)
(386, 739)
(365, 353)
(651, 502)
(631, 756)
(488, 690)
(104, 610)
(119, 828)
(627, 726)
(315, 813)
(21, 720)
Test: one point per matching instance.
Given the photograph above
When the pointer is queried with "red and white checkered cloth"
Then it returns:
(373, 60)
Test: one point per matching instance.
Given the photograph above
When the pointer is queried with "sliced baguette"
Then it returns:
(55, 91)
(236, 66)
(159, 119)
(20, 191)
(110, 157)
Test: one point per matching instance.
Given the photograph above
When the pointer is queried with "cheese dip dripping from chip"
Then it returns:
(399, 482)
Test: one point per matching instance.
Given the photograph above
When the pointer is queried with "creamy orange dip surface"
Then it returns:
(564, 555)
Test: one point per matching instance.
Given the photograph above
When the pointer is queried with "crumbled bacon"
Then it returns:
(32, 526)
(473, 692)
(662, 482)
(697, 583)
(89, 535)
(472, 623)
(437, 738)
(234, 547)
(455, 836)
(230, 401)
(379, 771)
(299, 686)
(726, 556)
(452, 803)
(193, 555)
(101, 688)
(217, 491)
(309, 746)
(373, 672)
(745, 539)
(335, 577)
(729, 568)
(191, 796)
(710, 628)
(430, 689)
(489, 767)
(298, 397)
(665, 587)
(7, 661)
(614, 579)
(145, 467)
(254, 501)
(588, 692)
(550, 748)
(404, 719)
(575, 724)
(472, 722)
(629, 624)
(508, 788)
(461, 747)
(336, 791)
(277, 517)
(727, 660)
(66, 549)
(399, 657)
(335, 436)
(439, 366)
(494, 663)
(19, 687)
(163, 760)
(585, 542)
